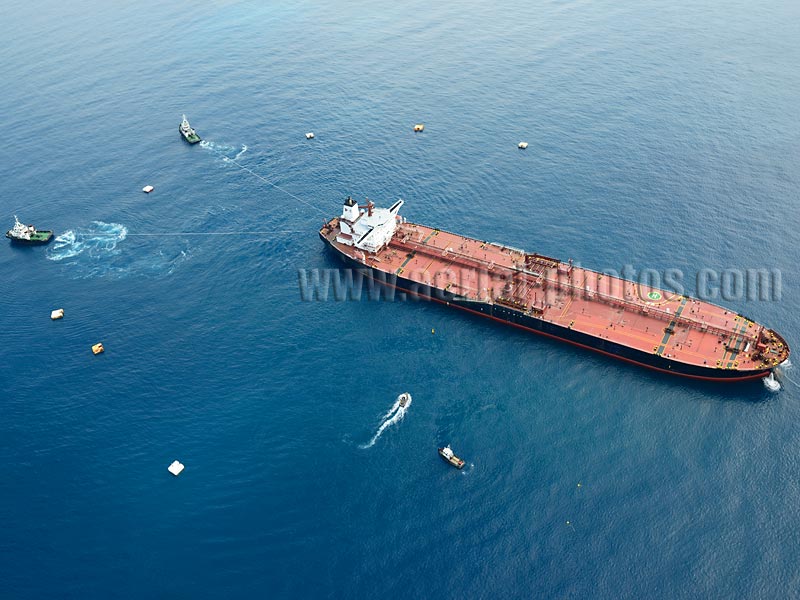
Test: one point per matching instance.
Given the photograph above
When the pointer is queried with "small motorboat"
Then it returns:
(404, 398)
(447, 454)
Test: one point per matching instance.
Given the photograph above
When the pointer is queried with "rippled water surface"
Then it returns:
(661, 134)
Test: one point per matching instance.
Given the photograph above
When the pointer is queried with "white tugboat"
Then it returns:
(189, 134)
(27, 234)
(447, 454)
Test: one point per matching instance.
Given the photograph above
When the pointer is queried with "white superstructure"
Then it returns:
(186, 129)
(366, 227)
(20, 231)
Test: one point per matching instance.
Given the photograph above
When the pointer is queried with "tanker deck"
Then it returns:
(645, 325)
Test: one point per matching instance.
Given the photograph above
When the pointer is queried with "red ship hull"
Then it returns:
(528, 292)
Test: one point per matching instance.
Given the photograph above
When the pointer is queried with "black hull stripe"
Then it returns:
(576, 338)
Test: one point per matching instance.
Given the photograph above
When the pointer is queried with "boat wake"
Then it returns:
(227, 153)
(97, 251)
(771, 383)
(98, 240)
(242, 151)
(781, 371)
(395, 415)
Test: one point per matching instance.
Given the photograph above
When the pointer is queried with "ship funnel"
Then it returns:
(350, 209)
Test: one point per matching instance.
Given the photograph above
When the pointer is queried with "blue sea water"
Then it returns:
(663, 134)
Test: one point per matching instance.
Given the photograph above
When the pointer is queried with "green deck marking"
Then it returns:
(671, 326)
(406, 261)
(433, 233)
(734, 356)
(724, 358)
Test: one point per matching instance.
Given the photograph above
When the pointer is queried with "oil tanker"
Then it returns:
(648, 326)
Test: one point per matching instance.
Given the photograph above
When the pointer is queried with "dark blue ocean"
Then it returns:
(663, 134)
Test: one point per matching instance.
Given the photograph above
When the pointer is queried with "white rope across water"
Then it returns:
(783, 375)
(213, 233)
(268, 182)
(174, 233)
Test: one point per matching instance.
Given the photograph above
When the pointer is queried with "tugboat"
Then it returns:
(27, 234)
(189, 134)
(447, 454)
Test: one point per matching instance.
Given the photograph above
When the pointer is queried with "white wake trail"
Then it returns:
(98, 240)
(771, 383)
(391, 411)
(395, 415)
(242, 151)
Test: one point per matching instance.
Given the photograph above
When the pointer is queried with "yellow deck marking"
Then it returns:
(571, 298)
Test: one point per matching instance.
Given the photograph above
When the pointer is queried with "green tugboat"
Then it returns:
(189, 134)
(27, 234)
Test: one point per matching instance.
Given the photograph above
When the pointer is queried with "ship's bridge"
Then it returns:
(366, 227)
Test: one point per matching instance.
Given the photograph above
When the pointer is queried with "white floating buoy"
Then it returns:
(175, 468)
(522, 145)
(309, 136)
(57, 314)
(147, 189)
